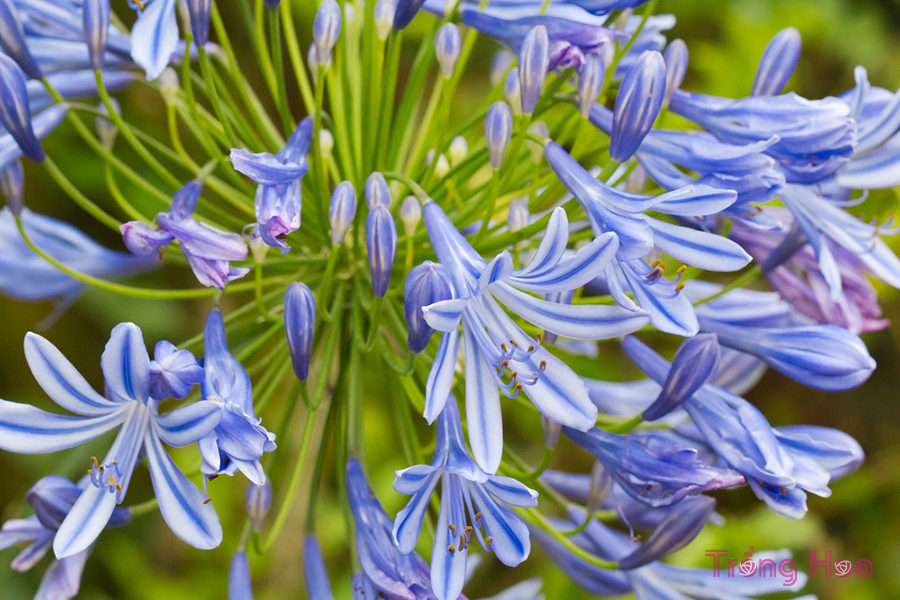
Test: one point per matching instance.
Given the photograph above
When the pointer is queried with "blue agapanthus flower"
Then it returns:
(128, 407)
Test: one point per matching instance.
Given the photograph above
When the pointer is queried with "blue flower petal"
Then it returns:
(188, 424)
(126, 364)
(25, 429)
(483, 414)
(154, 37)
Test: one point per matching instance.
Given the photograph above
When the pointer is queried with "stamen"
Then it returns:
(487, 542)
(451, 549)
(452, 527)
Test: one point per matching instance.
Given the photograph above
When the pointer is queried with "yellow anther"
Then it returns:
(681, 269)
(112, 480)
(514, 343)
(451, 549)
(95, 461)
(504, 347)
(679, 287)
(477, 517)
(543, 365)
(656, 263)
(118, 487)
(530, 348)
(487, 542)
(452, 527)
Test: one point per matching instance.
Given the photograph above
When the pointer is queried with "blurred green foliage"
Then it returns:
(145, 562)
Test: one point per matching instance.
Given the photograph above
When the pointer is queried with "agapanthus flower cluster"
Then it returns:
(494, 248)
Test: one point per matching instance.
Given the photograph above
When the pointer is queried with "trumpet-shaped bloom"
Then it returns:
(142, 432)
(464, 486)
(26, 276)
(279, 177)
(208, 250)
(779, 472)
(493, 343)
(238, 441)
(52, 498)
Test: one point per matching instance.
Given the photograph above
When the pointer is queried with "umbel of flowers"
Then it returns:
(464, 255)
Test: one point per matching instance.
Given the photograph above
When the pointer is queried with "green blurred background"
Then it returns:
(145, 562)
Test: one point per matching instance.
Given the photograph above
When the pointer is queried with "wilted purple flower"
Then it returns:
(426, 284)
(278, 203)
(534, 61)
(238, 441)
(381, 244)
(498, 132)
(173, 372)
(299, 326)
(326, 29)
(208, 250)
(777, 63)
(447, 46)
(638, 103)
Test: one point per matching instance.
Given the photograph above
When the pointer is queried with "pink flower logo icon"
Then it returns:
(748, 568)
(843, 567)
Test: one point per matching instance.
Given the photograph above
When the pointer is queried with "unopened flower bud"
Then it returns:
(318, 586)
(199, 11)
(426, 284)
(512, 91)
(12, 39)
(240, 586)
(173, 372)
(676, 58)
(621, 21)
(429, 156)
(326, 29)
(636, 181)
(410, 214)
(299, 326)
(541, 130)
(326, 142)
(534, 60)
(341, 211)
(459, 148)
(95, 20)
(447, 46)
(501, 63)
(441, 167)
(517, 215)
(384, 18)
(377, 191)
(52, 498)
(590, 82)
(258, 246)
(257, 503)
(15, 115)
(106, 130)
(638, 103)
(405, 12)
(12, 186)
(552, 429)
(777, 63)
(381, 243)
(168, 85)
(272, 4)
(601, 486)
(498, 132)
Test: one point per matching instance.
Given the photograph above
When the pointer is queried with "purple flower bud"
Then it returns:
(257, 503)
(341, 211)
(517, 216)
(676, 58)
(426, 284)
(52, 498)
(590, 82)
(694, 364)
(173, 372)
(677, 530)
(534, 60)
(377, 191)
(95, 15)
(410, 214)
(777, 63)
(384, 18)
(459, 148)
(15, 115)
(326, 29)
(317, 584)
(552, 429)
(447, 46)
(199, 11)
(239, 585)
(406, 11)
(272, 4)
(12, 186)
(512, 91)
(12, 39)
(638, 104)
(381, 243)
(601, 485)
(498, 132)
(500, 65)
(299, 326)
(106, 130)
